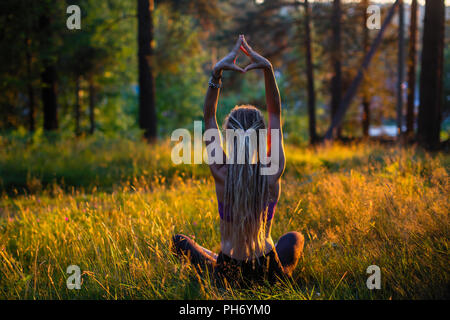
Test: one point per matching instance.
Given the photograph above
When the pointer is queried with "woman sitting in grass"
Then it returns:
(246, 197)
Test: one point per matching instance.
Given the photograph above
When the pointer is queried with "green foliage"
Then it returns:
(100, 161)
(180, 80)
(189, 35)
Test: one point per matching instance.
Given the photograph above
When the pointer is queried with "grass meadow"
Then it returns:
(110, 206)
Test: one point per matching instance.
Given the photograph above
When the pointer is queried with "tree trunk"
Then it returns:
(430, 109)
(77, 106)
(48, 78)
(401, 45)
(411, 70)
(28, 54)
(345, 103)
(310, 77)
(92, 97)
(213, 56)
(365, 96)
(147, 110)
(31, 102)
(336, 81)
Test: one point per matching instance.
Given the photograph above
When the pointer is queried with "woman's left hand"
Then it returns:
(229, 61)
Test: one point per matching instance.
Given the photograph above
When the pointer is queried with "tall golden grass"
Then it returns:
(357, 205)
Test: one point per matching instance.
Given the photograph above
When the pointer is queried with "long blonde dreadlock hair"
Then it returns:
(246, 190)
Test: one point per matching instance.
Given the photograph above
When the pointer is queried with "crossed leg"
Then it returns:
(200, 257)
(289, 249)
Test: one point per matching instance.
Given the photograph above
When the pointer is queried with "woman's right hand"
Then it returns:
(228, 62)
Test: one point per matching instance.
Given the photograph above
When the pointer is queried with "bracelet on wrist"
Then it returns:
(214, 85)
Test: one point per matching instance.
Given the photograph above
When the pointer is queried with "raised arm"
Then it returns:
(273, 102)
(212, 96)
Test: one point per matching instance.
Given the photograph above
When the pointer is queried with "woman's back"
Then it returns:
(247, 181)
(246, 196)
